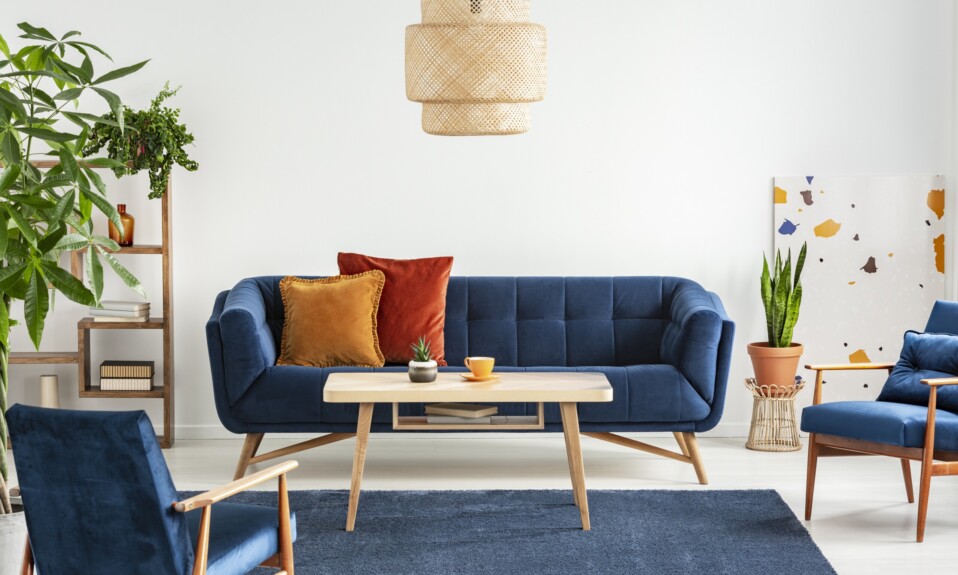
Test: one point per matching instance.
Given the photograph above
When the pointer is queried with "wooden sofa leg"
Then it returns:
(810, 475)
(249, 451)
(906, 472)
(681, 441)
(693, 448)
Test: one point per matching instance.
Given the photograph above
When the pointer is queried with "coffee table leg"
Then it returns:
(359, 461)
(570, 427)
(569, 458)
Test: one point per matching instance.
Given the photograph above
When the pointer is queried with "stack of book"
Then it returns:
(128, 311)
(446, 413)
(126, 375)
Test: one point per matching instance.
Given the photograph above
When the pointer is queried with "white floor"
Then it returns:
(862, 522)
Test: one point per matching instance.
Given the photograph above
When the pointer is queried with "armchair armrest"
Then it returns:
(224, 491)
(819, 369)
(940, 381)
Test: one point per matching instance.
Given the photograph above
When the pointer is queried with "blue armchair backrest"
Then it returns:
(97, 493)
(548, 321)
(925, 356)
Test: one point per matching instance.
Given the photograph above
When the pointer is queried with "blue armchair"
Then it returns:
(915, 417)
(98, 498)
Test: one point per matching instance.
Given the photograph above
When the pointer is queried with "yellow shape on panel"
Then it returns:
(936, 202)
(859, 357)
(940, 253)
(781, 196)
(827, 229)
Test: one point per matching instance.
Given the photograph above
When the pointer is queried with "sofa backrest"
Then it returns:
(547, 321)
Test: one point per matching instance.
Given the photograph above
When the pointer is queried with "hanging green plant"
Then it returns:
(153, 140)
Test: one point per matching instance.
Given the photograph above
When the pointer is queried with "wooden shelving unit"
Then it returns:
(86, 381)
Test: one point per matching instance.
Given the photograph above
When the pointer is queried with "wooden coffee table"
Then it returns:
(565, 388)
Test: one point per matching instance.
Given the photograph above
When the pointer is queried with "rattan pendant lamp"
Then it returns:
(475, 65)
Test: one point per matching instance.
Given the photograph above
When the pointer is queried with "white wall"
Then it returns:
(653, 152)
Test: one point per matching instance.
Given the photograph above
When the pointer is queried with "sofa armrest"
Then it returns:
(248, 343)
(693, 339)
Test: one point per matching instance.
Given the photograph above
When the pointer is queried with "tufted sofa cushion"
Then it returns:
(923, 356)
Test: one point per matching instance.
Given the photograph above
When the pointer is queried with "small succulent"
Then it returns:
(421, 350)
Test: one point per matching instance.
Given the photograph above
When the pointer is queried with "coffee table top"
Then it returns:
(395, 387)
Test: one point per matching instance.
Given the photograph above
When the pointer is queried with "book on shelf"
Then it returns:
(447, 419)
(118, 305)
(126, 383)
(111, 319)
(515, 419)
(126, 369)
(98, 312)
(467, 410)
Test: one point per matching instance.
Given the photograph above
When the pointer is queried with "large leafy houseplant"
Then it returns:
(46, 207)
(153, 140)
(776, 361)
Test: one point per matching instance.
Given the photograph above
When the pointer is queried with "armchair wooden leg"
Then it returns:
(680, 439)
(810, 475)
(285, 530)
(906, 472)
(927, 463)
(26, 567)
(201, 557)
(693, 446)
(249, 451)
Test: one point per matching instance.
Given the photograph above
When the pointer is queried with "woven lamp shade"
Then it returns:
(475, 65)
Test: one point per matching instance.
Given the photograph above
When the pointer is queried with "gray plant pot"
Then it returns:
(13, 537)
(423, 371)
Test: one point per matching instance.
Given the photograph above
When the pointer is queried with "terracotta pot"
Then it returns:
(775, 365)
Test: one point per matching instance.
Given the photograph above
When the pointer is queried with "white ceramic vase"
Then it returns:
(423, 371)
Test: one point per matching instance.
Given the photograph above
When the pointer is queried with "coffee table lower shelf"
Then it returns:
(420, 423)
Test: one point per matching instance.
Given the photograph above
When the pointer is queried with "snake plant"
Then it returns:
(782, 297)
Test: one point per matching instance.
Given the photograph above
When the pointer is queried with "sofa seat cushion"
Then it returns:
(641, 394)
(899, 424)
(241, 536)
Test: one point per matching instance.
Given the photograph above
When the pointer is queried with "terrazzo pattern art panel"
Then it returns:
(874, 268)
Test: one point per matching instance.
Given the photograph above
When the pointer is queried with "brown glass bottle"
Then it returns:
(128, 224)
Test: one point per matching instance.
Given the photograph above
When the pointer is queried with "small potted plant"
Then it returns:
(423, 368)
(776, 361)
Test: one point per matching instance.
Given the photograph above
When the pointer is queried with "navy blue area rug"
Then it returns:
(532, 532)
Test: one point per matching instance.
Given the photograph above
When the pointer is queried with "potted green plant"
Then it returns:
(153, 140)
(776, 361)
(422, 368)
(46, 207)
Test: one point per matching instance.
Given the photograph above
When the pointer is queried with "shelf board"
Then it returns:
(95, 391)
(139, 249)
(43, 357)
(153, 323)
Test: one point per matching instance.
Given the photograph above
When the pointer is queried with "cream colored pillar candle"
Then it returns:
(49, 391)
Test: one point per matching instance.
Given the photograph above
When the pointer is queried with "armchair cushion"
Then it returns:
(898, 424)
(240, 536)
(924, 356)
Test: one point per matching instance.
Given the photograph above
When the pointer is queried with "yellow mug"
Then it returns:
(480, 366)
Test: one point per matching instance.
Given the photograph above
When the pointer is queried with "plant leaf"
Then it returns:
(10, 149)
(67, 284)
(70, 94)
(104, 163)
(116, 106)
(10, 275)
(41, 32)
(49, 135)
(4, 48)
(25, 228)
(106, 242)
(119, 72)
(69, 164)
(71, 242)
(36, 304)
(101, 203)
(128, 278)
(9, 176)
(12, 103)
(94, 273)
(77, 43)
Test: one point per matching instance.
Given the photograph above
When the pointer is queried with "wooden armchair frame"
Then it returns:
(821, 445)
(282, 560)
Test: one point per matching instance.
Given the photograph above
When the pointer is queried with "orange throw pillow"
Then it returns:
(413, 302)
(331, 321)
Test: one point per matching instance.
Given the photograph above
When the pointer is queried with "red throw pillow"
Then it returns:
(413, 302)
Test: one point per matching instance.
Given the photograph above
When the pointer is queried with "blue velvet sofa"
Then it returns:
(664, 343)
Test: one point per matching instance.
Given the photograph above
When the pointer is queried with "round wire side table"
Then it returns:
(773, 417)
